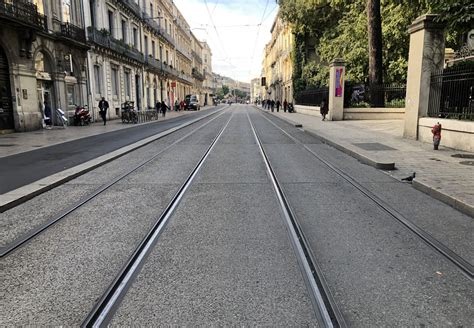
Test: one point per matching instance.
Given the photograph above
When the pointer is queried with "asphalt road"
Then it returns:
(24, 168)
(225, 258)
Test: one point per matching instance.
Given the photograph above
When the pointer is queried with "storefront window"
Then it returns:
(70, 95)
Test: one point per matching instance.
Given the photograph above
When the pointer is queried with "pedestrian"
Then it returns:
(324, 109)
(176, 105)
(278, 104)
(47, 115)
(164, 108)
(181, 105)
(436, 130)
(285, 105)
(272, 104)
(103, 106)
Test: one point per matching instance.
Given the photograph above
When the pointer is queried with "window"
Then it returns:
(124, 30)
(146, 46)
(159, 18)
(161, 53)
(66, 11)
(115, 84)
(127, 84)
(151, 10)
(135, 37)
(110, 15)
(153, 52)
(70, 95)
(98, 80)
(167, 57)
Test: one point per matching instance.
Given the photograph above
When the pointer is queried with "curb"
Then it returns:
(20, 195)
(429, 190)
(386, 166)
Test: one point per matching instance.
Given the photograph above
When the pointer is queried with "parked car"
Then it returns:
(192, 102)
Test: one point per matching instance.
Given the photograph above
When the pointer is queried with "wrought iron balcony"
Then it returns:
(197, 57)
(153, 63)
(133, 6)
(186, 78)
(165, 34)
(23, 12)
(183, 51)
(73, 32)
(103, 39)
(198, 75)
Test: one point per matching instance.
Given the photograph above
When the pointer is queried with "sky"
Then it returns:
(236, 33)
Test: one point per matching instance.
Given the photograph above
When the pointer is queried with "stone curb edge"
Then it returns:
(447, 199)
(20, 195)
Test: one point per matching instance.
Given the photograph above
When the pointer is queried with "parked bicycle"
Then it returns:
(129, 114)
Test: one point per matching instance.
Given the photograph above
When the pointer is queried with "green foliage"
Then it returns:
(340, 30)
(225, 89)
(458, 15)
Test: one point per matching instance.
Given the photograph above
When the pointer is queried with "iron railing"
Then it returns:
(184, 51)
(133, 6)
(25, 12)
(196, 57)
(103, 39)
(452, 93)
(312, 97)
(198, 75)
(358, 95)
(73, 32)
(152, 62)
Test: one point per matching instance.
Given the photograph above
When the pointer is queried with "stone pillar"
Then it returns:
(426, 54)
(337, 71)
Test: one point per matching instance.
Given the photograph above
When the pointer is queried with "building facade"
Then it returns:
(43, 60)
(74, 52)
(277, 64)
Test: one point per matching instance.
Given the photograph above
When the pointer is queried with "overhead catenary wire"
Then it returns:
(256, 37)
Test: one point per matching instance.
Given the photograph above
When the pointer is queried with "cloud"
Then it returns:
(237, 45)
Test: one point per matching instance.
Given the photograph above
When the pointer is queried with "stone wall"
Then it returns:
(455, 134)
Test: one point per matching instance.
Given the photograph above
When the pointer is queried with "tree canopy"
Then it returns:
(338, 29)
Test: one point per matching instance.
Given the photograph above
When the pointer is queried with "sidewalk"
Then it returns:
(380, 144)
(15, 143)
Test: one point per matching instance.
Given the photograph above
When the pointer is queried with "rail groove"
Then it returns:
(464, 266)
(18, 242)
(103, 311)
(327, 311)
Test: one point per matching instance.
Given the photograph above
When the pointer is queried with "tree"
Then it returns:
(225, 90)
(374, 29)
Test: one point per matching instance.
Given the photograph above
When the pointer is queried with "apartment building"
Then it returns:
(197, 69)
(43, 52)
(208, 84)
(277, 63)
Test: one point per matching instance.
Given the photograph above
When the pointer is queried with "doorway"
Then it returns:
(6, 108)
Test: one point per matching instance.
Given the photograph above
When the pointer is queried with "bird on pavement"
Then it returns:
(410, 178)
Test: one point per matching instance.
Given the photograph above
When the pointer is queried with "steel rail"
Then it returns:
(104, 309)
(18, 242)
(327, 311)
(464, 266)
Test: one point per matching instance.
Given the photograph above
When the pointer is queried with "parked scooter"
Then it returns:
(82, 116)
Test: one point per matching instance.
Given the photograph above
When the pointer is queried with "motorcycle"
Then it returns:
(82, 116)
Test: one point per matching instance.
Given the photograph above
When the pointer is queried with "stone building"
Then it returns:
(277, 63)
(208, 83)
(141, 52)
(197, 70)
(43, 54)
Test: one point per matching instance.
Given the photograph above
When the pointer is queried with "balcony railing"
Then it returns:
(73, 32)
(25, 12)
(185, 78)
(170, 70)
(197, 75)
(165, 34)
(133, 6)
(103, 39)
(152, 62)
(183, 51)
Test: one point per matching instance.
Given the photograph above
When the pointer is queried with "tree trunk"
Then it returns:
(374, 22)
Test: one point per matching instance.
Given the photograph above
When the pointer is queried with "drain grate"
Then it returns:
(373, 146)
(469, 156)
(7, 145)
(470, 163)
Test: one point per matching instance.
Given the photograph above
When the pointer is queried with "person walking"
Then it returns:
(47, 116)
(285, 105)
(272, 105)
(278, 104)
(103, 106)
(181, 105)
(324, 109)
(164, 108)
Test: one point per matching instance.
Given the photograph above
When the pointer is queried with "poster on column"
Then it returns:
(339, 81)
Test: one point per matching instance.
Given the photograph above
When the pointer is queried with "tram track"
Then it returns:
(328, 312)
(103, 311)
(31, 234)
(459, 262)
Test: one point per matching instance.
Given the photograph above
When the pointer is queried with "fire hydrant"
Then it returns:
(436, 130)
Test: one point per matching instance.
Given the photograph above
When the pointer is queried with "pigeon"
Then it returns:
(410, 178)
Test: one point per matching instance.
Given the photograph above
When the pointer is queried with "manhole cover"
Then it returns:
(373, 146)
(7, 145)
(470, 163)
(463, 156)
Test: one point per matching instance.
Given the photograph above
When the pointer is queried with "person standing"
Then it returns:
(272, 105)
(103, 106)
(278, 104)
(324, 109)
(285, 105)
(164, 108)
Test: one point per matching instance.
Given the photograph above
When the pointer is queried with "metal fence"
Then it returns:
(312, 97)
(360, 95)
(452, 93)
